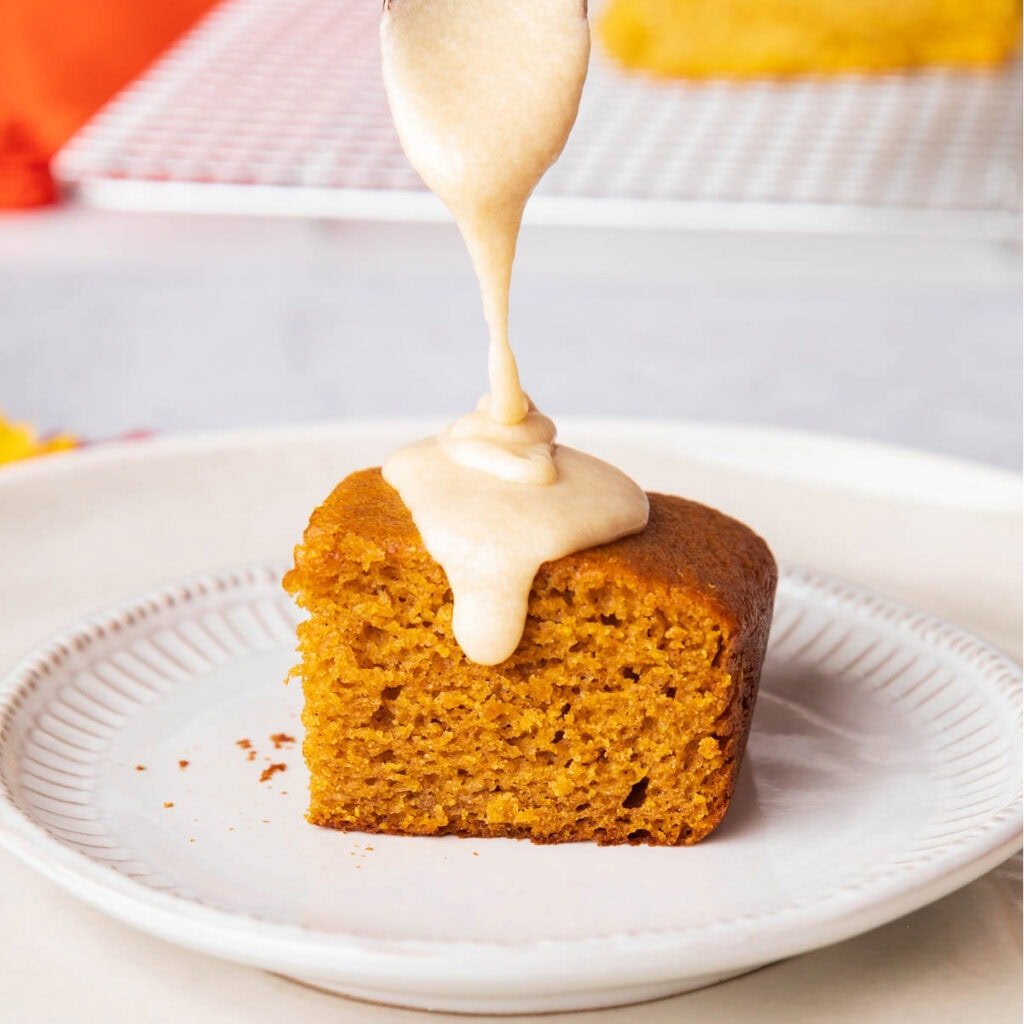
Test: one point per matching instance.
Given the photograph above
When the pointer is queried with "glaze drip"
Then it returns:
(484, 94)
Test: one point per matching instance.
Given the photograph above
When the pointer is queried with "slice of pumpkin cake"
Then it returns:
(621, 717)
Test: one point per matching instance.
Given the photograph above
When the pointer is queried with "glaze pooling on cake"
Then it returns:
(522, 453)
(492, 540)
(484, 93)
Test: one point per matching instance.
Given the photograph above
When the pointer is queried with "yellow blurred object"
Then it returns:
(19, 441)
(737, 38)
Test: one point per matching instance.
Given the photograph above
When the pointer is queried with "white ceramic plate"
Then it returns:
(883, 772)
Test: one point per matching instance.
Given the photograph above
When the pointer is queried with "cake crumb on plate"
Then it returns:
(271, 770)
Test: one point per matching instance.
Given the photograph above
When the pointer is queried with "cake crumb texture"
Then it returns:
(621, 717)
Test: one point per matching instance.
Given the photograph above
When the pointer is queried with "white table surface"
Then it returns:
(94, 529)
(112, 322)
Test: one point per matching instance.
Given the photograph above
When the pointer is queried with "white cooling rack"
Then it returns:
(277, 107)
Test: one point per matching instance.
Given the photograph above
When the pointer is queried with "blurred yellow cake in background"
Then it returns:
(702, 38)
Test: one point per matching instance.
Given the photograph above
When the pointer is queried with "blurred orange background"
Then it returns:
(60, 61)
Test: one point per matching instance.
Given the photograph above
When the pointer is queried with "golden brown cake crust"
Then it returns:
(684, 542)
(690, 559)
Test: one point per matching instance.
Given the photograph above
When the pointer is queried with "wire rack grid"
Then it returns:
(277, 107)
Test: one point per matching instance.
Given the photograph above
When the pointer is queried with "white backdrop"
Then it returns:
(112, 322)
